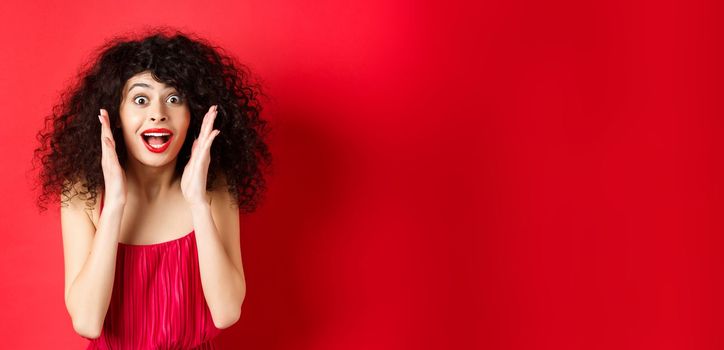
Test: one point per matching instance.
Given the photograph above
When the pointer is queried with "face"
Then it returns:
(154, 119)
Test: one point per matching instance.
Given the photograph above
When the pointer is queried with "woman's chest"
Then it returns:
(162, 221)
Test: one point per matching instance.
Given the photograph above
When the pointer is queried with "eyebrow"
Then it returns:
(140, 84)
(146, 86)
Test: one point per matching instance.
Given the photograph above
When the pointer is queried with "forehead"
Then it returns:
(144, 78)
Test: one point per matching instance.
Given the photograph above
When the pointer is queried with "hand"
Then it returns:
(193, 180)
(113, 175)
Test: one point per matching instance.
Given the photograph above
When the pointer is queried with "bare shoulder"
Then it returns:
(224, 209)
(77, 199)
(77, 231)
(220, 193)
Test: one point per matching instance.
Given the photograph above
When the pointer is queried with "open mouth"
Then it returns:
(156, 141)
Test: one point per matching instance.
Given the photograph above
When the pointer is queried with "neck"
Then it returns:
(149, 183)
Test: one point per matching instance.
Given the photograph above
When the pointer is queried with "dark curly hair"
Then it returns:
(70, 150)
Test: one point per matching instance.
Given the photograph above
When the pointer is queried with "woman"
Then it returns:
(167, 131)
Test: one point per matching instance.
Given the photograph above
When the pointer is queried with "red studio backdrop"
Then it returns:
(448, 175)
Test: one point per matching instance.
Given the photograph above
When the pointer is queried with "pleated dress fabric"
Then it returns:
(157, 300)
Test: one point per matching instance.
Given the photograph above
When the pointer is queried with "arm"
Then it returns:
(90, 260)
(222, 275)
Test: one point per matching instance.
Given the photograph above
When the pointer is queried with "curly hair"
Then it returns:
(70, 150)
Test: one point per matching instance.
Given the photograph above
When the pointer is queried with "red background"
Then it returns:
(480, 175)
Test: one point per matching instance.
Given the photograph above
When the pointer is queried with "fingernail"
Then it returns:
(101, 119)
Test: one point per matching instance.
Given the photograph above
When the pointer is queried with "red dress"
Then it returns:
(157, 300)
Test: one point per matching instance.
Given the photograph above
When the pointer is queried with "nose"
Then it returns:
(157, 113)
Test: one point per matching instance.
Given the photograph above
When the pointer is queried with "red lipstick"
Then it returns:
(157, 134)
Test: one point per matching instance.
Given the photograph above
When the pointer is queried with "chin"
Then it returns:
(156, 160)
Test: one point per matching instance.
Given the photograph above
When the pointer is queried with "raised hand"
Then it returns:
(193, 180)
(113, 175)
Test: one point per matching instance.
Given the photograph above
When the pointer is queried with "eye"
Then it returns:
(135, 99)
(176, 97)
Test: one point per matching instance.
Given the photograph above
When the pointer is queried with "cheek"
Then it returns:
(129, 130)
(181, 134)
(130, 139)
(183, 129)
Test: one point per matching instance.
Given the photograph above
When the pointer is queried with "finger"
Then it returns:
(106, 128)
(103, 147)
(109, 132)
(100, 119)
(111, 151)
(103, 126)
(208, 123)
(111, 145)
(104, 133)
(212, 137)
(104, 123)
(205, 124)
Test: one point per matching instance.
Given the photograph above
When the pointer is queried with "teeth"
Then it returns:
(156, 146)
(157, 134)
